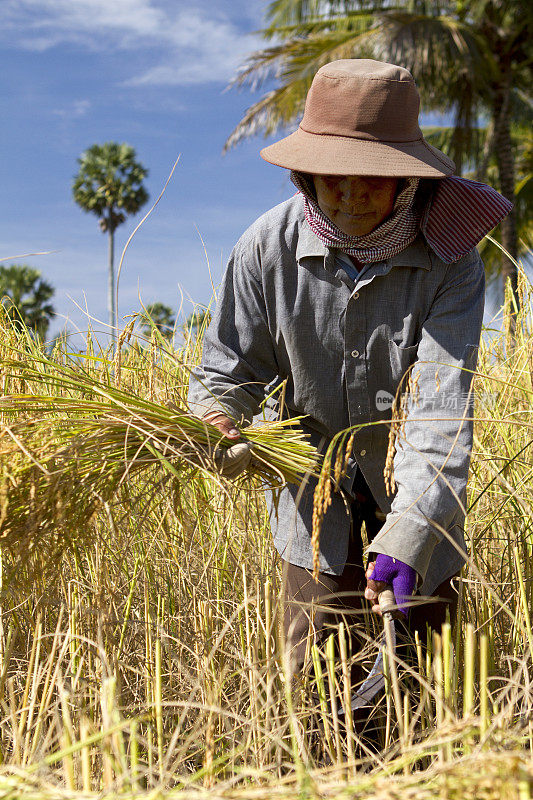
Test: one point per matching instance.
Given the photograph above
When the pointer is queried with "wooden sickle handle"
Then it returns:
(387, 601)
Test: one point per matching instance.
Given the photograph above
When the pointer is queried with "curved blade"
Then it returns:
(376, 678)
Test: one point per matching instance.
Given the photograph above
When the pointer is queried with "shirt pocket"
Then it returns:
(401, 358)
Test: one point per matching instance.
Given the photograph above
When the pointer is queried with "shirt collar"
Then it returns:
(417, 254)
(308, 242)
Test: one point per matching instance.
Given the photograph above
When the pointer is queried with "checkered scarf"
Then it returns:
(386, 240)
(454, 214)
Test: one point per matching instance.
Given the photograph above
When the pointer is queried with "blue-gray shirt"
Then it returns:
(288, 309)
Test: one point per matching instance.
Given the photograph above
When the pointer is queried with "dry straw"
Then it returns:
(152, 664)
(74, 432)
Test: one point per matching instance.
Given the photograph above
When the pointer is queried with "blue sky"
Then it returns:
(154, 74)
(150, 73)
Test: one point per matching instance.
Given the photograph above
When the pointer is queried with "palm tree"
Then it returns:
(470, 57)
(25, 297)
(109, 184)
(522, 138)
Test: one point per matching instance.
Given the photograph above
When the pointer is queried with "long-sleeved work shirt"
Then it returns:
(287, 310)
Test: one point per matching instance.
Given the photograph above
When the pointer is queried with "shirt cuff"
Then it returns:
(206, 405)
(409, 539)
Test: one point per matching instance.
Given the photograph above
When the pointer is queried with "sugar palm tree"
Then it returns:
(26, 297)
(469, 57)
(109, 184)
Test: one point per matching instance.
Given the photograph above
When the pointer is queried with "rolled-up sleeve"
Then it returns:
(433, 451)
(238, 358)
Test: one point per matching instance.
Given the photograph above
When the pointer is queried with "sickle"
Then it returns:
(376, 678)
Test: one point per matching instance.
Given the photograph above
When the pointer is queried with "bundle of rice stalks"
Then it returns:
(71, 439)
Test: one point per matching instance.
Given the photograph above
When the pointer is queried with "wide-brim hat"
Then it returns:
(360, 118)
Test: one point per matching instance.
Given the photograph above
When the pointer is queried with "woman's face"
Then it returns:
(356, 204)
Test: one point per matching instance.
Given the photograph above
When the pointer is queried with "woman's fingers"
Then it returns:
(225, 425)
(373, 588)
(233, 461)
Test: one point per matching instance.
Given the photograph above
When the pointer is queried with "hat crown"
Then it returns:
(363, 99)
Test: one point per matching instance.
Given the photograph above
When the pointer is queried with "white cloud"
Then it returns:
(77, 109)
(190, 44)
(202, 50)
(64, 20)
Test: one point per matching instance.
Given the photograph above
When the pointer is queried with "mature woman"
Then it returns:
(369, 269)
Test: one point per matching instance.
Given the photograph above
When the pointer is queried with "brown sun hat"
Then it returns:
(360, 118)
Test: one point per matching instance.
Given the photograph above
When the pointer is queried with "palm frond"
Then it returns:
(294, 63)
(292, 16)
(435, 48)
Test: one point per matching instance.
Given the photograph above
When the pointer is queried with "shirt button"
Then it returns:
(355, 296)
(355, 353)
(362, 453)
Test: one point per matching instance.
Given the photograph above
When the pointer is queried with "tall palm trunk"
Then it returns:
(111, 286)
(505, 163)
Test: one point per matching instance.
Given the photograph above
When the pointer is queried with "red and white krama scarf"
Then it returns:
(453, 218)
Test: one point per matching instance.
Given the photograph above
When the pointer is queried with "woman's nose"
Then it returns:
(353, 190)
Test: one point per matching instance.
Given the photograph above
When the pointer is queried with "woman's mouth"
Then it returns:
(356, 216)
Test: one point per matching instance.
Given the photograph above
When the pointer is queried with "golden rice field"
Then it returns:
(140, 653)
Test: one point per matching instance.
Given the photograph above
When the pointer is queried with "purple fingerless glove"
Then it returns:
(400, 576)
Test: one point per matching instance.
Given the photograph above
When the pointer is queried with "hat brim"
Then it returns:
(322, 154)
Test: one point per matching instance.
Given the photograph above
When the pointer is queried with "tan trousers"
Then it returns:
(337, 598)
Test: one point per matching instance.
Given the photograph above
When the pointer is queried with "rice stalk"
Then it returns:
(155, 650)
(74, 438)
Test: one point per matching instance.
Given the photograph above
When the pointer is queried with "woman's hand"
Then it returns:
(224, 423)
(231, 461)
(373, 588)
(385, 572)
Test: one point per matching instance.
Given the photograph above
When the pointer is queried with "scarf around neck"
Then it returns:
(386, 240)
(454, 216)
